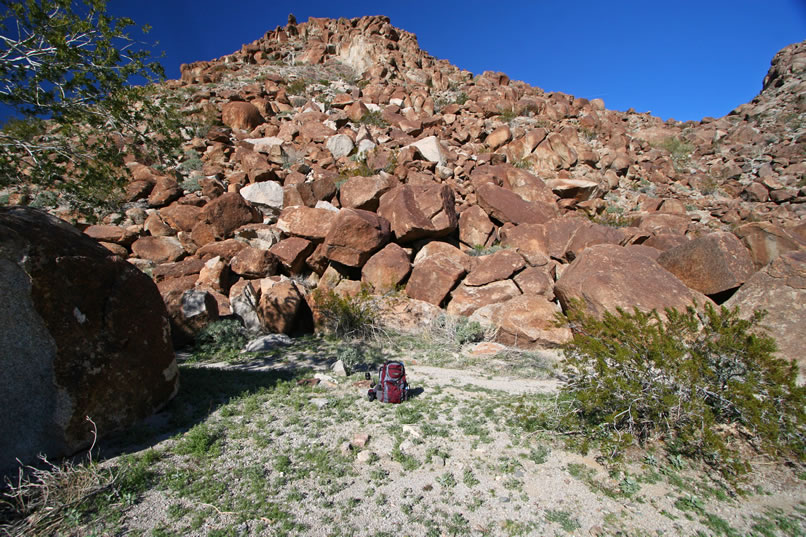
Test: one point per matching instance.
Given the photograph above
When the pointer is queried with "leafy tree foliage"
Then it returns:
(707, 384)
(65, 70)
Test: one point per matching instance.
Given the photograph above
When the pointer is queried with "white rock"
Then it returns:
(326, 205)
(413, 431)
(268, 193)
(264, 145)
(267, 343)
(319, 402)
(365, 146)
(339, 369)
(430, 149)
(364, 456)
(340, 145)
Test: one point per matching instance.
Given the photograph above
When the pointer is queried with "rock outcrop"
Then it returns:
(83, 334)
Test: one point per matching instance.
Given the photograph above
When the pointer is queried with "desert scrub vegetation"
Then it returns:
(680, 151)
(706, 383)
(220, 340)
(344, 315)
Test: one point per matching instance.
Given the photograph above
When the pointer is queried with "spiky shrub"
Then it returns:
(701, 382)
(220, 341)
(346, 315)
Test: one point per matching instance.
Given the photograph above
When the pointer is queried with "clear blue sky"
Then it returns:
(681, 59)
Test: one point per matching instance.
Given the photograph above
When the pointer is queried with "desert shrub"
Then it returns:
(347, 315)
(373, 117)
(701, 382)
(457, 330)
(219, 340)
(297, 87)
(479, 250)
(680, 150)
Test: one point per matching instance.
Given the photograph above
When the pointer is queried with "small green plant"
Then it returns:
(461, 98)
(690, 379)
(220, 341)
(458, 330)
(680, 150)
(297, 87)
(507, 114)
(191, 184)
(347, 315)
(201, 441)
(192, 162)
(374, 118)
(563, 518)
(479, 250)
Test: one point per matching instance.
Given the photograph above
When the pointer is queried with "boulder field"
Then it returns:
(338, 154)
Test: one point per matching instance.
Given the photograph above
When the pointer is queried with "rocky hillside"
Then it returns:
(336, 153)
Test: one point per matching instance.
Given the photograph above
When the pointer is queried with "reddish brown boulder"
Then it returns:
(535, 281)
(253, 263)
(292, 252)
(529, 240)
(214, 276)
(526, 185)
(505, 206)
(364, 192)
(665, 241)
(354, 236)
(766, 241)
(658, 223)
(307, 222)
(418, 212)
(606, 276)
(82, 333)
(227, 213)
(181, 217)
(498, 266)
(186, 267)
(475, 228)
(156, 227)
(437, 269)
(710, 264)
(780, 289)
(165, 191)
(113, 234)
(387, 269)
(225, 249)
(559, 232)
(280, 304)
(158, 249)
(466, 299)
(525, 321)
(241, 115)
(498, 137)
(588, 235)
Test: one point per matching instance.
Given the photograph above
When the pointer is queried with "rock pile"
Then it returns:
(335, 152)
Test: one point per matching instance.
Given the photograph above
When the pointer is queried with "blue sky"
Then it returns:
(682, 59)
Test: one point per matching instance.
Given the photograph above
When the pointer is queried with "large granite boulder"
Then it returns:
(607, 276)
(82, 333)
(780, 289)
(418, 212)
(711, 264)
(524, 321)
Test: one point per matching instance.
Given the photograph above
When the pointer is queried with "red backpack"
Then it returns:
(392, 386)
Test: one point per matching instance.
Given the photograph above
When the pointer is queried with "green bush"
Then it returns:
(706, 384)
(219, 340)
(373, 117)
(347, 315)
(457, 330)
